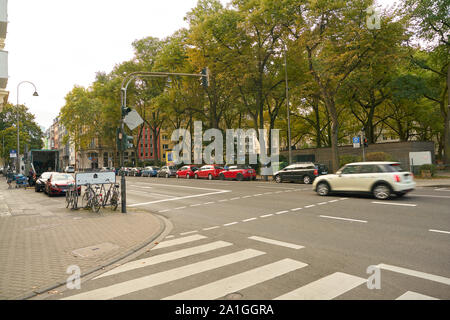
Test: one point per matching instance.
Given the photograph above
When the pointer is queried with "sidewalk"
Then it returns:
(40, 239)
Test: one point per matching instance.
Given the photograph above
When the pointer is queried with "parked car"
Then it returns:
(305, 172)
(69, 169)
(125, 171)
(167, 171)
(107, 169)
(150, 171)
(58, 183)
(238, 172)
(135, 172)
(382, 179)
(40, 182)
(187, 171)
(208, 171)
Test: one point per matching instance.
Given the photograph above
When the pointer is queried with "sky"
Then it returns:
(58, 44)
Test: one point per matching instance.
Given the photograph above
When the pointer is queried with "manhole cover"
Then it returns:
(95, 250)
(234, 296)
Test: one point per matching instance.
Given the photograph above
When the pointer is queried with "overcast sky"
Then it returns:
(57, 44)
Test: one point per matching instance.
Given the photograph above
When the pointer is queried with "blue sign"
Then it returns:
(356, 140)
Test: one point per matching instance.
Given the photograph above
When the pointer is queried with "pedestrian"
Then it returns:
(30, 178)
(9, 178)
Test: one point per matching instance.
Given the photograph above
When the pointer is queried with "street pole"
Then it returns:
(287, 105)
(363, 144)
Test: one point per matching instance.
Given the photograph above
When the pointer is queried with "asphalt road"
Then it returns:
(262, 240)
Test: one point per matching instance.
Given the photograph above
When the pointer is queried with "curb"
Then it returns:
(163, 227)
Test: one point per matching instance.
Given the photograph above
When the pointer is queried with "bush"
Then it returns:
(378, 156)
(429, 167)
(348, 158)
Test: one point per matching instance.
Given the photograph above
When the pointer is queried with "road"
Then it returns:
(262, 240)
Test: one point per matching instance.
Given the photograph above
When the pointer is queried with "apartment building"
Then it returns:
(3, 54)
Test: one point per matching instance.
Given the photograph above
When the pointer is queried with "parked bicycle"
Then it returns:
(72, 197)
(92, 199)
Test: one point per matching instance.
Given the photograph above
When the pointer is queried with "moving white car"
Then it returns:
(69, 169)
(382, 179)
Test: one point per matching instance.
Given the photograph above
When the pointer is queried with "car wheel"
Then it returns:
(239, 177)
(221, 176)
(210, 177)
(196, 176)
(323, 189)
(382, 191)
(278, 179)
(306, 180)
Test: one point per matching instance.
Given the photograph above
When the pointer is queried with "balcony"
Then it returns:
(3, 19)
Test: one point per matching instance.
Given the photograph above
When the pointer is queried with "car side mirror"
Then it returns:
(339, 173)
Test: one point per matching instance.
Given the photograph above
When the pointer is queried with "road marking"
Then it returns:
(411, 295)
(326, 288)
(430, 196)
(179, 208)
(415, 273)
(296, 209)
(223, 200)
(440, 231)
(321, 203)
(209, 202)
(276, 242)
(273, 187)
(442, 189)
(396, 204)
(188, 232)
(229, 224)
(310, 206)
(266, 215)
(178, 241)
(195, 205)
(164, 210)
(343, 199)
(123, 288)
(279, 192)
(239, 281)
(251, 219)
(281, 212)
(235, 198)
(257, 195)
(331, 201)
(268, 192)
(141, 263)
(171, 236)
(339, 218)
(211, 228)
(244, 197)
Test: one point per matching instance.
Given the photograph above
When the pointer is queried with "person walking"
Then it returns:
(9, 178)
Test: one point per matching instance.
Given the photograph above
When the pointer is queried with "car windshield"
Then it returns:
(46, 175)
(62, 177)
(172, 168)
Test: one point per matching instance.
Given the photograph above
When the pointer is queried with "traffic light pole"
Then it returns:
(123, 94)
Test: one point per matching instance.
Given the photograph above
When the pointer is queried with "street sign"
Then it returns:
(13, 154)
(84, 178)
(133, 120)
(356, 142)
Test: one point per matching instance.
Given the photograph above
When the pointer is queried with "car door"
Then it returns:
(345, 181)
(286, 173)
(366, 177)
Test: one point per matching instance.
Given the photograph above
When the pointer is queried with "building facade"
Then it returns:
(3, 54)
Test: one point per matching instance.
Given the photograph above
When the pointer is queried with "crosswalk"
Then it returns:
(226, 269)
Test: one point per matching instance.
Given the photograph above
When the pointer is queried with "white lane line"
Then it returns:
(326, 288)
(178, 198)
(188, 232)
(296, 209)
(396, 204)
(281, 212)
(209, 202)
(321, 203)
(179, 208)
(415, 273)
(195, 205)
(164, 210)
(411, 295)
(346, 219)
(274, 187)
(235, 198)
(442, 189)
(245, 197)
(178, 241)
(268, 192)
(211, 228)
(276, 242)
(123, 288)
(279, 192)
(439, 231)
(310, 206)
(331, 201)
(171, 236)
(220, 288)
(343, 199)
(174, 255)
(178, 186)
(229, 224)
(223, 200)
(250, 219)
(430, 196)
(266, 215)
(257, 195)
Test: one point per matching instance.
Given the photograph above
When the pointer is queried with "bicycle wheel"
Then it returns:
(85, 200)
(115, 201)
(75, 200)
(68, 198)
(96, 203)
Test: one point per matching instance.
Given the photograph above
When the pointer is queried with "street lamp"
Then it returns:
(35, 94)
(287, 104)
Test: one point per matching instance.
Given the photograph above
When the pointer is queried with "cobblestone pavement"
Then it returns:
(40, 239)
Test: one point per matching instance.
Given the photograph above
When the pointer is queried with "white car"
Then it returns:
(69, 169)
(382, 179)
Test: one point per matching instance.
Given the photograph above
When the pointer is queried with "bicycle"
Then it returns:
(72, 197)
(90, 199)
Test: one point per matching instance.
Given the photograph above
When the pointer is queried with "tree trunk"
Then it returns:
(329, 101)
(447, 123)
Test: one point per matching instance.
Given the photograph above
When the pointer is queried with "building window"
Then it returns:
(165, 146)
(164, 137)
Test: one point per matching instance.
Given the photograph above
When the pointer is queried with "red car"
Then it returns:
(186, 171)
(58, 183)
(208, 171)
(238, 172)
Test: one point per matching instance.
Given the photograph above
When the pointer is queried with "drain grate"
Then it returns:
(95, 250)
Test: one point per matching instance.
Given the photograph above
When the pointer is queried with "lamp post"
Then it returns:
(35, 94)
(287, 104)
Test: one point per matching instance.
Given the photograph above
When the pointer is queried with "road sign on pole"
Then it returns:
(133, 119)
(13, 154)
(356, 142)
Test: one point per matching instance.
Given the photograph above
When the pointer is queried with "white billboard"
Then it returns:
(420, 158)
(84, 178)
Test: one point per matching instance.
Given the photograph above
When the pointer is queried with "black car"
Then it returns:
(40, 182)
(300, 172)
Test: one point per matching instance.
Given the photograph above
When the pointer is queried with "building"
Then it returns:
(145, 146)
(166, 143)
(3, 54)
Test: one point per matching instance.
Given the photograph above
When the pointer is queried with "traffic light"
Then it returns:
(128, 142)
(366, 143)
(205, 77)
(125, 111)
(118, 138)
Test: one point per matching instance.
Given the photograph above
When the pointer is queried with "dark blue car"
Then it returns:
(150, 172)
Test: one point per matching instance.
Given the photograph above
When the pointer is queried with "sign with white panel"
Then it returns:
(420, 158)
(84, 178)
